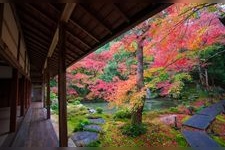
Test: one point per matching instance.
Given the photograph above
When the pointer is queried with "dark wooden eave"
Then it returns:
(89, 27)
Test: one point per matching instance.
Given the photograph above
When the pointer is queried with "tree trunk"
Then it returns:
(200, 75)
(206, 79)
(136, 118)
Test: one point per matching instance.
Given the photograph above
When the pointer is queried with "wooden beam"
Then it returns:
(37, 37)
(63, 138)
(14, 100)
(44, 47)
(68, 9)
(78, 39)
(48, 103)
(22, 104)
(38, 14)
(84, 30)
(121, 13)
(96, 19)
(18, 48)
(70, 42)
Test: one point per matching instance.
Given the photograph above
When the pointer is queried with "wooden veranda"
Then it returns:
(40, 40)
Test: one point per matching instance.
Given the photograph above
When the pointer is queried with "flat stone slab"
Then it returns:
(71, 143)
(97, 121)
(213, 110)
(94, 128)
(84, 138)
(199, 139)
(199, 121)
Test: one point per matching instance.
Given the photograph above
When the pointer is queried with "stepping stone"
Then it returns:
(199, 139)
(97, 121)
(94, 128)
(71, 143)
(199, 121)
(213, 110)
(84, 138)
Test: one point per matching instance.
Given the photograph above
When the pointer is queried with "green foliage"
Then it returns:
(80, 125)
(133, 130)
(82, 92)
(214, 55)
(122, 114)
(76, 102)
(174, 109)
(181, 140)
(103, 48)
(54, 106)
(53, 96)
(110, 71)
(220, 118)
(94, 144)
(219, 140)
(53, 83)
(99, 110)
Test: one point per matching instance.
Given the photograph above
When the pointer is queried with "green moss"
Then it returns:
(181, 140)
(219, 140)
(220, 118)
(94, 144)
(174, 110)
(133, 130)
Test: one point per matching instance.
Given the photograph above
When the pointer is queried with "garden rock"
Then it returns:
(97, 121)
(92, 111)
(84, 138)
(71, 143)
(93, 128)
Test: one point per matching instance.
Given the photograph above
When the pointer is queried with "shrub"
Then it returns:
(133, 130)
(174, 109)
(94, 144)
(181, 141)
(122, 114)
(81, 125)
(99, 110)
(76, 102)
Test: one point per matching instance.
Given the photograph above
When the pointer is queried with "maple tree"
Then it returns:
(158, 54)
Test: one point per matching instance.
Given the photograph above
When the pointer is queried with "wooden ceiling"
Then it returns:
(90, 26)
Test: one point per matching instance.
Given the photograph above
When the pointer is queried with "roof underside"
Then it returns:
(89, 27)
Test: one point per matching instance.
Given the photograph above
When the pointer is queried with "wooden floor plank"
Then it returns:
(37, 130)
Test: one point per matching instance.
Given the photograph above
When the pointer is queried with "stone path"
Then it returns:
(90, 133)
(199, 139)
(202, 121)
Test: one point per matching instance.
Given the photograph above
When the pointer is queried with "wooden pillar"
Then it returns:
(43, 89)
(25, 94)
(29, 93)
(22, 104)
(63, 138)
(14, 100)
(48, 103)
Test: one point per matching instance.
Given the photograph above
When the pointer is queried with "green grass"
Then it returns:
(219, 140)
(220, 118)
(181, 140)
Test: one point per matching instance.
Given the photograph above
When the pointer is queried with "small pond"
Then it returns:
(150, 105)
